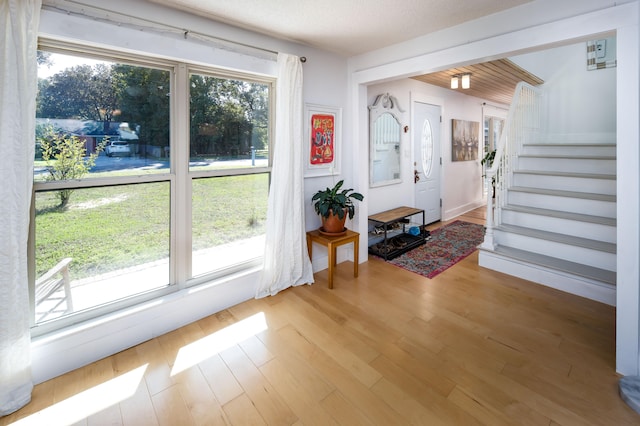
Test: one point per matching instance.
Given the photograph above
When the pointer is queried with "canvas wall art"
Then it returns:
(465, 137)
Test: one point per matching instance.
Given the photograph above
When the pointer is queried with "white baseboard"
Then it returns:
(320, 260)
(460, 210)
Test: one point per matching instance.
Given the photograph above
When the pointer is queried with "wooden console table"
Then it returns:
(332, 243)
(385, 248)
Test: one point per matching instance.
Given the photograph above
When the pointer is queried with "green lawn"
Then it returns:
(105, 229)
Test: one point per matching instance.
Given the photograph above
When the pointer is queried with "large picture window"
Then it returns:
(229, 215)
(229, 152)
(117, 238)
(229, 126)
(112, 171)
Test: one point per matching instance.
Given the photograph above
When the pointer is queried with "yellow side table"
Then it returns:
(332, 243)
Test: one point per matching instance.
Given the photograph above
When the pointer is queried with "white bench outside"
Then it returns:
(52, 281)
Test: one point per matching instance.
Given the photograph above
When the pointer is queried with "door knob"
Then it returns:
(416, 176)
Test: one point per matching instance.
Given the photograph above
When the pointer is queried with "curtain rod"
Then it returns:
(139, 24)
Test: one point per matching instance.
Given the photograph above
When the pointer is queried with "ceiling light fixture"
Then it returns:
(466, 80)
(454, 81)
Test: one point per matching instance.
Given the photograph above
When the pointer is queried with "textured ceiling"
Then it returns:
(347, 27)
(351, 27)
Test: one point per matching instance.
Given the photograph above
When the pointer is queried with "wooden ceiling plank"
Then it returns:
(534, 78)
(498, 71)
(494, 80)
(490, 93)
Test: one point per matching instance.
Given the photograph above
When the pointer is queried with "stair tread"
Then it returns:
(586, 271)
(573, 145)
(568, 194)
(560, 238)
(569, 157)
(609, 221)
(566, 174)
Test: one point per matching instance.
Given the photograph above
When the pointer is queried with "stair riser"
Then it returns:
(566, 183)
(592, 231)
(573, 205)
(577, 285)
(579, 150)
(581, 255)
(571, 165)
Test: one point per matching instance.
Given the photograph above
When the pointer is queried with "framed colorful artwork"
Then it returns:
(322, 146)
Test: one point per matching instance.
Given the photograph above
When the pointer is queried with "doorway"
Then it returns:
(493, 123)
(427, 163)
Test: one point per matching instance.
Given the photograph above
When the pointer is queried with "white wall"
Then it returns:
(461, 181)
(577, 101)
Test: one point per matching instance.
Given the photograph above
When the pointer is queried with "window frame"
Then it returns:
(178, 176)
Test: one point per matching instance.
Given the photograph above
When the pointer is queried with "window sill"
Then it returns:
(67, 349)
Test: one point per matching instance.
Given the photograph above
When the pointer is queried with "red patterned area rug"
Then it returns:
(448, 245)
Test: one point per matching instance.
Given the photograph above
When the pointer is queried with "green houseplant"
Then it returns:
(488, 159)
(334, 205)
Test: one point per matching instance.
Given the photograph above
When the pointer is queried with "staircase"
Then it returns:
(554, 218)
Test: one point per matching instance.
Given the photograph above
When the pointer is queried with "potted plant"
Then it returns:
(334, 205)
(488, 159)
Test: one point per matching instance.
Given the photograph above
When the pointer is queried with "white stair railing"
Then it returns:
(522, 126)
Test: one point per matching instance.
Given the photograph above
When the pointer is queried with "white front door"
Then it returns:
(426, 159)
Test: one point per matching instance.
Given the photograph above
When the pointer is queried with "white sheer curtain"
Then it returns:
(19, 20)
(286, 262)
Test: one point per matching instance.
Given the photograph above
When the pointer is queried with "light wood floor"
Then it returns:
(470, 346)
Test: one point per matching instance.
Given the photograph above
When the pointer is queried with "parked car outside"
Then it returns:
(118, 148)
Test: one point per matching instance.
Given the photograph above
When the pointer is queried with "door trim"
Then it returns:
(439, 102)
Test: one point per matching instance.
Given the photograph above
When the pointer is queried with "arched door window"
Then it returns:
(427, 148)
